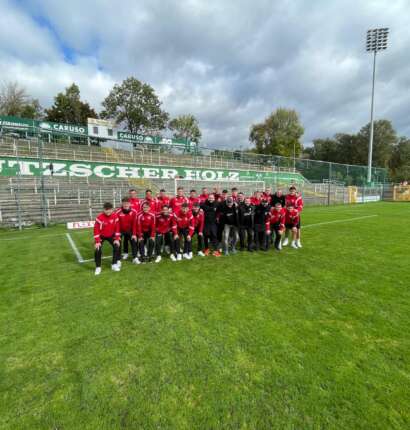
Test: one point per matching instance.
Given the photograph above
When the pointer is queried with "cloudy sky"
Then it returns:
(228, 62)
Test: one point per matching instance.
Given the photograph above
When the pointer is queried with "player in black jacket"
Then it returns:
(210, 208)
(246, 224)
(278, 197)
(229, 218)
(260, 217)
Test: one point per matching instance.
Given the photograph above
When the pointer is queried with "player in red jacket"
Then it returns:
(204, 196)
(199, 220)
(256, 199)
(193, 199)
(163, 225)
(276, 224)
(295, 199)
(134, 200)
(162, 200)
(183, 227)
(126, 217)
(177, 201)
(107, 229)
(292, 220)
(144, 231)
(152, 201)
(267, 195)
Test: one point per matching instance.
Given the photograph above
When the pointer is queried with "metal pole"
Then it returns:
(369, 162)
(43, 195)
(19, 218)
(328, 184)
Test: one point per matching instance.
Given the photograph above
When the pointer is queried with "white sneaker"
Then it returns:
(125, 256)
(136, 261)
(190, 256)
(280, 246)
(119, 263)
(298, 243)
(186, 256)
(285, 242)
(293, 245)
(201, 254)
(115, 268)
(97, 271)
(158, 259)
(179, 258)
(173, 258)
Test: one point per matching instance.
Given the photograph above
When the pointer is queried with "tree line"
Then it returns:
(280, 134)
(133, 105)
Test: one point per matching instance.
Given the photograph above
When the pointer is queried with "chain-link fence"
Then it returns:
(27, 200)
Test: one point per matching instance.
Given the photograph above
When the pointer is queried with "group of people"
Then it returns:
(154, 226)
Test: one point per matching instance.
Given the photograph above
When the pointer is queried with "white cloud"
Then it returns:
(229, 63)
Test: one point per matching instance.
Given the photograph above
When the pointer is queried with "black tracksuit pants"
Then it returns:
(125, 239)
(163, 239)
(146, 240)
(116, 251)
(211, 236)
(200, 240)
(182, 234)
(278, 235)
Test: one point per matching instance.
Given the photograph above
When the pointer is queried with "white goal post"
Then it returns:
(247, 187)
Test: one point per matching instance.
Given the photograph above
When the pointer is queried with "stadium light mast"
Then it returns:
(376, 41)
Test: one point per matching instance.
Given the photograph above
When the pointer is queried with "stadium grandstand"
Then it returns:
(52, 173)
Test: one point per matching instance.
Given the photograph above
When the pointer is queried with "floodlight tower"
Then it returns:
(376, 41)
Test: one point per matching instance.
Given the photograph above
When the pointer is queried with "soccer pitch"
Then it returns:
(312, 338)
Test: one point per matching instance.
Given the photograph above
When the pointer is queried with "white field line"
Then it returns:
(338, 221)
(75, 249)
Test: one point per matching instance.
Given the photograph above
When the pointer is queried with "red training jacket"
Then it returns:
(267, 197)
(106, 226)
(163, 223)
(126, 220)
(199, 220)
(255, 201)
(152, 204)
(203, 198)
(295, 201)
(144, 223)
(176, 203)
(181, 220)
(135, 203)
(276, 217)
(161, 202)
(292, 217)
(193, 200)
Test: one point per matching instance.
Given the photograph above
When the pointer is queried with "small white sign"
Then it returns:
(80, 224)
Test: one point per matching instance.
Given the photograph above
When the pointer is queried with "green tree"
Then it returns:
(279, 134)
(15, 101)
(349, 149)
(68, 108)
(323, 149)
(185, 127)
(135, 105)
(400, 160)
(384, 139)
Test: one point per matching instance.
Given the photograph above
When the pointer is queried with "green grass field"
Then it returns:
(316, 338)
